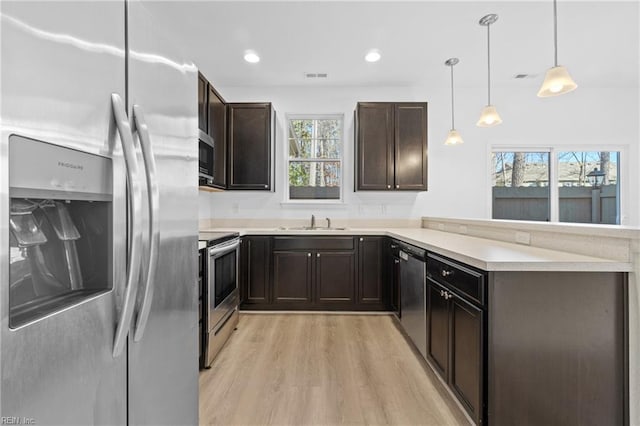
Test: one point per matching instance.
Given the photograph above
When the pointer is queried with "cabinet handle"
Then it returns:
(266, 186)
(388, 186)
(446, 273)
(308, 254)
(397, 186)
(442, 293)
(361, 239)
(317, 254)
(396, 261)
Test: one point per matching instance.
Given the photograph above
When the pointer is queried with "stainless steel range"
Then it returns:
(221, 291)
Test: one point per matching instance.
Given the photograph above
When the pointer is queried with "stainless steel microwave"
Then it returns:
(205, 162)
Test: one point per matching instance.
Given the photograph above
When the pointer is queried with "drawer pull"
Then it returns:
(446, 273)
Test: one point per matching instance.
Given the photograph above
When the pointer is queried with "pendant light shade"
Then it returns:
(489, 116)
(557, 80)
(453, 137)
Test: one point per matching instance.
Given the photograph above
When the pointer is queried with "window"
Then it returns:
(521, 185)
(550, 185)
(585, 194)
(315, 158)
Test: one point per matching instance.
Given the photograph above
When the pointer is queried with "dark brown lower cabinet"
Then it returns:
(466, 351)
(455, 346)
(335, 277)
(292, 277)
(456, 323)
(438, 329)
(255, 270)
(371, 271)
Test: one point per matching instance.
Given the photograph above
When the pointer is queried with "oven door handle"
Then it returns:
(135, 205)
(154, 221)
(224, 248)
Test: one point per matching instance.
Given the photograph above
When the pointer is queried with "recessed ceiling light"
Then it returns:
(373, 55)
(251, 57)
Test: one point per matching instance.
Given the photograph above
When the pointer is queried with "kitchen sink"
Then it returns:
(309, 228)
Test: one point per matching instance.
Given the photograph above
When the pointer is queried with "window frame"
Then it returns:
(554, 190)
(295, 116)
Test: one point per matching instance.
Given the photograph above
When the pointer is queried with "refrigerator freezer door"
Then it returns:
(61, 61)
(163, 360)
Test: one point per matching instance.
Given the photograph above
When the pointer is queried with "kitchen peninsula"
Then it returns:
(510, 327)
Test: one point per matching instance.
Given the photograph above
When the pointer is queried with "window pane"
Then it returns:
(520, 185)
(314, 180)
(317, 138)
(300, 134)
(588, 186)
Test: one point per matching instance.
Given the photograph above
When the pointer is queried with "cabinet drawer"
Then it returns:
(457, 276)
(313, 243)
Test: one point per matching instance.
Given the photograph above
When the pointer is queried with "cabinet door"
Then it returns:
(438, 329)
(374, 146)
(292, 277)
(467, 356)
(371, 270)
(217, 131)
(202, 103)
(255, 267)
(335, 277)
(249, 146)
(411, 146)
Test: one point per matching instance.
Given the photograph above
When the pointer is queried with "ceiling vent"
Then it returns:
(315, 75)
(524, 76)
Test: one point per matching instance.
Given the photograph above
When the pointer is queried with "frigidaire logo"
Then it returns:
(70, 165)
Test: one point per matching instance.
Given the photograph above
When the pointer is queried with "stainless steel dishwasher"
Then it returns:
(413, 296)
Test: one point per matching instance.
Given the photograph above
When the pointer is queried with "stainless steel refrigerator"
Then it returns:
(98, 217)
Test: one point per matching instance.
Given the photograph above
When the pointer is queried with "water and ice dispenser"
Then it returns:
(60, 228)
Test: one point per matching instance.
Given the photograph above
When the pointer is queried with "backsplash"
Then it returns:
(617, 243)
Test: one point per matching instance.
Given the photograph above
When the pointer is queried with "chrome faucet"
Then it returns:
(328, 222)
(313, 222)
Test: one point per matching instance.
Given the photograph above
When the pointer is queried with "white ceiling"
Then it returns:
(598, 41)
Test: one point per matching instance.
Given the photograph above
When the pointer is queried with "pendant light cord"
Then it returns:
(452, 122)
(555, 32)
(488, 66)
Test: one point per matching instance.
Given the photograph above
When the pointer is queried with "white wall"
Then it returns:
(458, 176)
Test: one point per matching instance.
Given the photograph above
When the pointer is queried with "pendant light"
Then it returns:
(557, 80)
(489, 116)
(453, 138)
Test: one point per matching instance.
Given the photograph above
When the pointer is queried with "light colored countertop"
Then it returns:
(486, 254)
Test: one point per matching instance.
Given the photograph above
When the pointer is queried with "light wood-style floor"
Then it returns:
(318, 369)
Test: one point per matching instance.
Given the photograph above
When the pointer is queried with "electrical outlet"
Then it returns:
(462, 229)
(523, 238)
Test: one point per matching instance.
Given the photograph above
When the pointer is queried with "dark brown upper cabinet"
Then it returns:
(217, 130)
(391, 146)
(202, 103)
(250, 156)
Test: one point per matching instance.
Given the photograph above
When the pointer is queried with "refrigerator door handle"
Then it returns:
(135, 204)
(154, 220)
